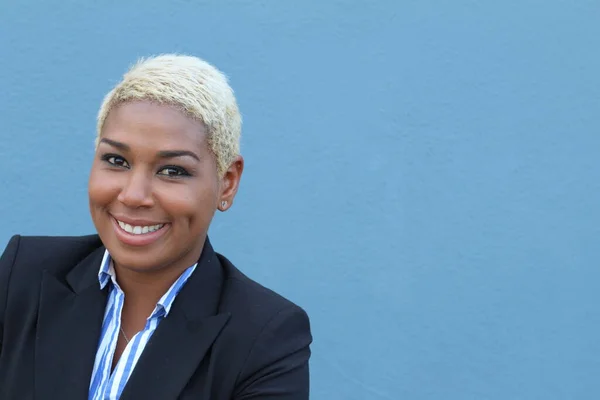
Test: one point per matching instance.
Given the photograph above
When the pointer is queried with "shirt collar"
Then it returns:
(107, 274)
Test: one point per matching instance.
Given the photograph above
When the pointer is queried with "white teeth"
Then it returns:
(139, 230)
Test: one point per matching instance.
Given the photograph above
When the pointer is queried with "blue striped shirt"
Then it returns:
(105, 385)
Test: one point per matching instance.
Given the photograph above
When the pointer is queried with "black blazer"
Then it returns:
(226, 336)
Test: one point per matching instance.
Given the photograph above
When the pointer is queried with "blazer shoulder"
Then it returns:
(26, 257)
(29, 253)
(267, 336)
(253, 306)
(244, 293)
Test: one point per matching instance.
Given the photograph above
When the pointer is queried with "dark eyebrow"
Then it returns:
(177, 153)
(161, 154)
(114, 143)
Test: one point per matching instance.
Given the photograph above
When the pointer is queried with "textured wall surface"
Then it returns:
(422, 176)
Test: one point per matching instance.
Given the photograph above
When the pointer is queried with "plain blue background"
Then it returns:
(422, 176)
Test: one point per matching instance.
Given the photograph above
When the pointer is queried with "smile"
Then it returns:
(139, 230)
(143, 233)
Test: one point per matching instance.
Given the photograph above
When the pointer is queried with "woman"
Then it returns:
(146, 309)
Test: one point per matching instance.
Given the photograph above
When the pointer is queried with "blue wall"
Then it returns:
(422, 176)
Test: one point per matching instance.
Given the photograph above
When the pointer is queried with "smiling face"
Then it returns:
(154, 187)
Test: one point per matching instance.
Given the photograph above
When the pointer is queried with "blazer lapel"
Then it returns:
(183, 338)
(69, 324)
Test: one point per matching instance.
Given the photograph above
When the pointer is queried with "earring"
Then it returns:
(224, 204)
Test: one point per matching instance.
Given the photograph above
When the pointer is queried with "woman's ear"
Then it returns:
(230, 183)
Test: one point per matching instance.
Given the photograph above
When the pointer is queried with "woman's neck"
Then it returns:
(147, 287)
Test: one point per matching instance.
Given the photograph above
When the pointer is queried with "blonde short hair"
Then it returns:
(188, 83)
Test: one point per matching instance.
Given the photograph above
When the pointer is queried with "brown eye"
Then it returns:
(173, 171)
(115, 160)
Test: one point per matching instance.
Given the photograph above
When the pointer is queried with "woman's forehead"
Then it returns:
(137, 123)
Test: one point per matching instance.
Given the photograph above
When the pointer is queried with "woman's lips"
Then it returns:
(138, 235)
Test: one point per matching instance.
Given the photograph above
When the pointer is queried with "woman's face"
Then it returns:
(154, 188)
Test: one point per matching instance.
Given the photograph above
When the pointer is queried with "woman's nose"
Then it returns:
(137, 191)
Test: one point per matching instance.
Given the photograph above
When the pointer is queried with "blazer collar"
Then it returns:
(85, 274)
(70, 319)
(69, 324)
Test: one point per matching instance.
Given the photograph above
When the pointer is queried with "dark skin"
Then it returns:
(153, 166)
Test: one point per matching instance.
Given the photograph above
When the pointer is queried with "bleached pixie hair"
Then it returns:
(190, 84)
